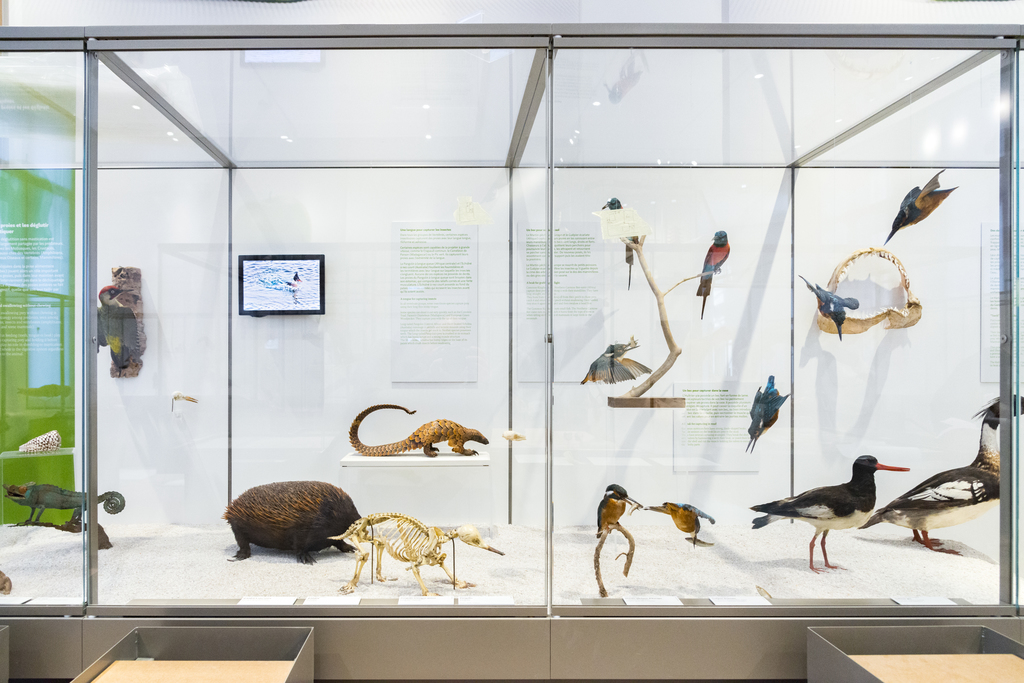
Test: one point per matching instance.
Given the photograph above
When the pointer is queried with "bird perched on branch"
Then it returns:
(612, 367)
(686, 518)
(716, 256)
(614, 204)
(613, 506)
(951, 497)
(764, 412)
(117, 328)
(832, 306)
(830, 507)
(919, 204)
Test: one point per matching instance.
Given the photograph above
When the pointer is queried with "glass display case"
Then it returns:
(567, 322)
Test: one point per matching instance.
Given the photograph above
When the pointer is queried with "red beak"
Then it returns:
(880, 466)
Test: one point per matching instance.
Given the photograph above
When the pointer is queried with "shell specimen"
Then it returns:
(50, 441)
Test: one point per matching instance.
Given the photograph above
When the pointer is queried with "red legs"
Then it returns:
(823, 552)
(917, 537)
(813, 568)
(932, 544)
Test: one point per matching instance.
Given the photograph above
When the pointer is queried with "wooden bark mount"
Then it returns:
(614, 526)
(129, 281)
(645, 402)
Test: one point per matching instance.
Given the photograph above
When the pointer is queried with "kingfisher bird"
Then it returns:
(614, 204)
(951, 497)
(919, 204)
(716, 256)
(686, 518)
(613, 367)
(612, 507)
(117, 328)
(832, 306)
(845, 506)
(764, 412)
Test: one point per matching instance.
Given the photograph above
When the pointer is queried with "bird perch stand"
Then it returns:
(633, 397)
(597, 554)
(129, 281)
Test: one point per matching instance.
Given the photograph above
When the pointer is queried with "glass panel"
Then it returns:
(412, 268)
(875, 392)
(322, 107)
(41, 547)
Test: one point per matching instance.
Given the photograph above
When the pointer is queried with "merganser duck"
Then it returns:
(846, 506)
(612, 507)
(951, 497)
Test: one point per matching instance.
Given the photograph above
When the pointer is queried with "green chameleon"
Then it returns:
(42, 497)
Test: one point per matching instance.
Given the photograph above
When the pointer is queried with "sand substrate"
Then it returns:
(166, 561)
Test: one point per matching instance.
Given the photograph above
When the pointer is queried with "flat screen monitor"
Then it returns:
(291, 284)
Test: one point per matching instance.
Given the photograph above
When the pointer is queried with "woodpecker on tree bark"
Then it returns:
(117, 328)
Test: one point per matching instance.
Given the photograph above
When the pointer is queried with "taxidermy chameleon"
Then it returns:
(425, 437)
(41, 497)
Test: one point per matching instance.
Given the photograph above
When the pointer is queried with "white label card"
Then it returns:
(426, 600)
(620, 223)
(738, 600)
(486, 600)
(923, 601)
(643, 600)
(56, 601)
(334, 600)
(11, 600)
(260, 600)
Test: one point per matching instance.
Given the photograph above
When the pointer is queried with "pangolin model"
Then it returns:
(425, 437)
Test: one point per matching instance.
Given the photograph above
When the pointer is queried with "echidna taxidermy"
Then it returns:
(299, 516)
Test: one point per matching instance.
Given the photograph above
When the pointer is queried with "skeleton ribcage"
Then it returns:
(406, 539)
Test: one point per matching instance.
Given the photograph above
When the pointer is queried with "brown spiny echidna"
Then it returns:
(299, 516)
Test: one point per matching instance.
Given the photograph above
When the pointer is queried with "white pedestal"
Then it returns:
(446, 490)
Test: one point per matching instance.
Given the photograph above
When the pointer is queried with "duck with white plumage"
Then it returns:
(951, 497)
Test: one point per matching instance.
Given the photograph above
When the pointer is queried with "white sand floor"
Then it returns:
(164, 561)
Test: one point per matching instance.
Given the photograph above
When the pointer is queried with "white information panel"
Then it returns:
(711, 432)
(434, 317)
(579, 321)
(990, 302)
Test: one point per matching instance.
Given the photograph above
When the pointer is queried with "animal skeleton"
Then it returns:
(407, 540)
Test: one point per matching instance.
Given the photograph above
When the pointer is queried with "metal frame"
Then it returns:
(99, 44)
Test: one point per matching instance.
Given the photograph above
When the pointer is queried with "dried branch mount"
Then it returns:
(632, 398)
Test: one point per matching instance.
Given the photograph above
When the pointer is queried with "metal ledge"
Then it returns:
(786, 609)
(227, 609)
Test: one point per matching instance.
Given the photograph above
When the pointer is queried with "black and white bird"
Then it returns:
(827, 508)
(951, 497)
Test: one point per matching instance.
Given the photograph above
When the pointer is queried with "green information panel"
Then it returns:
(37, 329)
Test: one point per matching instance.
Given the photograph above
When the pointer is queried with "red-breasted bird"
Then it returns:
(832, 306)
(717, 255)
(951, 497)
(117, 328)
(612, 507)
(613, 367)
(686, 518)
(919, 204)
(846, 506)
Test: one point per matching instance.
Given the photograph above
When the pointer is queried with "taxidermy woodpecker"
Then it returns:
(717, 254)
(845, 506)
(764, 412)
(919, 204)
(832, 306)
(117, 328)
(612, 367)
(614, 204)
(686, 518)
(951, 497)
(612, 507)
